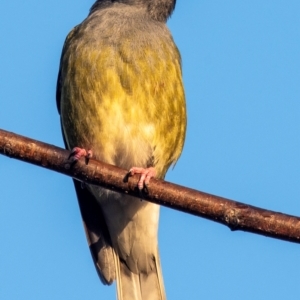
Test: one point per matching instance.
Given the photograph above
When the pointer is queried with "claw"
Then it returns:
(146, 175)
(77, 153)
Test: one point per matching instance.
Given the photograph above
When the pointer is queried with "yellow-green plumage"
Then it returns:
(121, 95)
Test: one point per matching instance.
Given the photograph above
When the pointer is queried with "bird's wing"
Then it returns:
(93, 220)
(58, 83)
(96, 233)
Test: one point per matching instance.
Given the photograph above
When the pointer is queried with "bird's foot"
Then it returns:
(146, 175)
(77, 153)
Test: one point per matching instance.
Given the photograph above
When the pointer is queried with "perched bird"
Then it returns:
(120, 96)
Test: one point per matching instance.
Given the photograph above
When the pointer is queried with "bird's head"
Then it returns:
(159, 10)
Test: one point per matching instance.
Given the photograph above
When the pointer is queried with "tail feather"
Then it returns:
(142, 286)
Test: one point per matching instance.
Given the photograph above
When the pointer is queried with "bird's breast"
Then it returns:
(123, 100)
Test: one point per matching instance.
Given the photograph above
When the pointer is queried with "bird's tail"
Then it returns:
(142, 286)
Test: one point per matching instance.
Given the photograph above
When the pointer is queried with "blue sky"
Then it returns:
(241, 67)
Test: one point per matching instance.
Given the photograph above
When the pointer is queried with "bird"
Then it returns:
(121, 100)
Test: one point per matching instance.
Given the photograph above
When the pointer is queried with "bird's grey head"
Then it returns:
(159, 10)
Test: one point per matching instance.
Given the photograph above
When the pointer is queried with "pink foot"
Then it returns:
(146, 175)
(77, 153)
